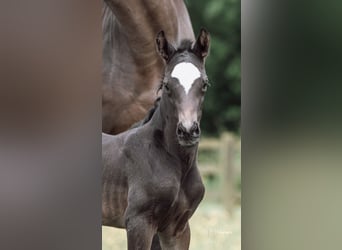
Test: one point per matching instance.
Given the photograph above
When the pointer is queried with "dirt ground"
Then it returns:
(212, 227)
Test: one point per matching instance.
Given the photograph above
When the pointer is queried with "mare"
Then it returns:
(151, 184)
(131, 66)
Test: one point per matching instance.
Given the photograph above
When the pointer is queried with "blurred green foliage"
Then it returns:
(223, 99)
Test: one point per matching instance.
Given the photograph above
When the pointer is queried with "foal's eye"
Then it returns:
(166, 86)
(205, 86)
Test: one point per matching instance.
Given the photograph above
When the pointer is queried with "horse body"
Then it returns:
(160, 193)
(151, 183)
(131, 66)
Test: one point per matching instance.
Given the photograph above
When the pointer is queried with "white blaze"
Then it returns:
(186, 73)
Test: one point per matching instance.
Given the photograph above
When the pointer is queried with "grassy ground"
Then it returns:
(211, 228)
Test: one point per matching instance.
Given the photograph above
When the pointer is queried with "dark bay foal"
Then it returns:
(151, 183)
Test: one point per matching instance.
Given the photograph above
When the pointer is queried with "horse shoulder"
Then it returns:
(193, 187)
(151, 191)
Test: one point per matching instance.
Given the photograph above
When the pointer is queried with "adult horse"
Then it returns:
(151, 183)
(131, 66)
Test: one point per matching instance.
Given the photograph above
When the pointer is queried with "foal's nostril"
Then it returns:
(195, 130)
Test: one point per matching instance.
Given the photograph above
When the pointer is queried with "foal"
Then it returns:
(151, 183)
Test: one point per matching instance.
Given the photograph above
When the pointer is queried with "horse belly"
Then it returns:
(114, 204)
(114, 182)
(122, 108)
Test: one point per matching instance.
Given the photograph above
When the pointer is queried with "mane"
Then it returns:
(185, 45)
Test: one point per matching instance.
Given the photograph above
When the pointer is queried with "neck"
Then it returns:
(140, 21)
(164, 129)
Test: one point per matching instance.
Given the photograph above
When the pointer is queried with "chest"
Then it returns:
(166, 189)
(175, 205)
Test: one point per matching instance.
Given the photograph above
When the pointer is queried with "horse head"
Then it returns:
(185, 83)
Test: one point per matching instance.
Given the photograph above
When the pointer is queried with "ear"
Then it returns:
(164, 49)
(201, 47)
